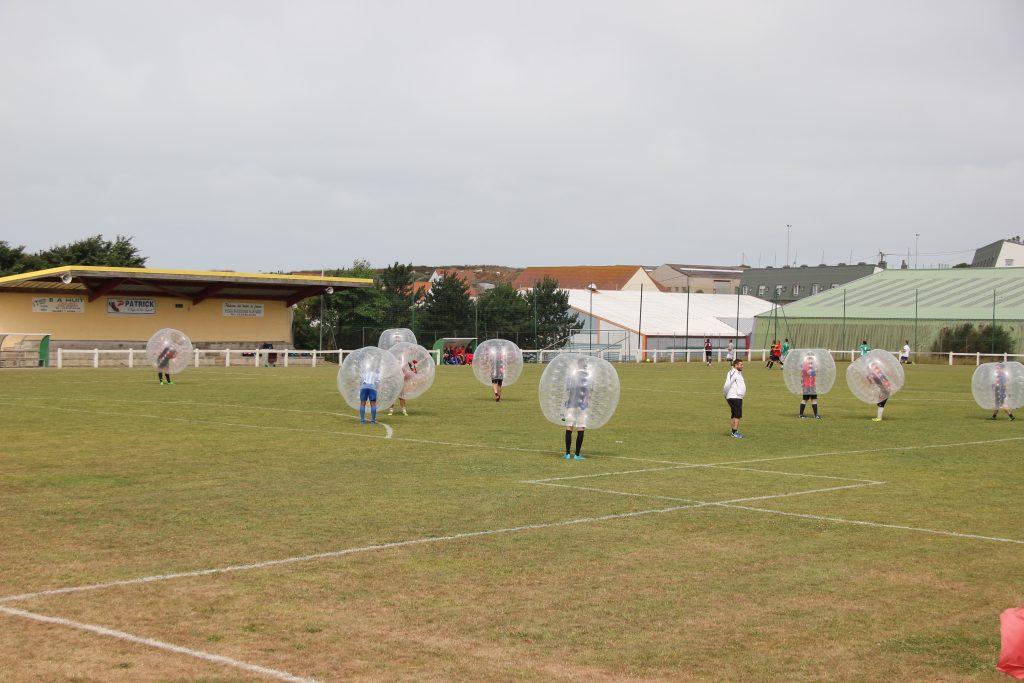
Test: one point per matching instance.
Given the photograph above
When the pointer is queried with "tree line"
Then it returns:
(91, 251)
(353, 318)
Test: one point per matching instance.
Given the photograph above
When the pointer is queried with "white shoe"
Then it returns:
(391, 411)
(404, 411)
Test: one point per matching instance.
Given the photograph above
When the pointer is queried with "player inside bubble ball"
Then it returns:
(163, 363)
(809, 385)
(409, 372)
(578, 386)
(369, 382)
(999, 382)
(877, 377)
(497, 371)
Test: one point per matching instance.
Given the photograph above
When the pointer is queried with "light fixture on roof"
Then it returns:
(329, 290)
(66, 278)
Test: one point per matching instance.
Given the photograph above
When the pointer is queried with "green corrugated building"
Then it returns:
(892, 306)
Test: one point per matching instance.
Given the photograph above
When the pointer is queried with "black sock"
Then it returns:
(802, 406)
(568, 440)
(815, 407)
(579, 441)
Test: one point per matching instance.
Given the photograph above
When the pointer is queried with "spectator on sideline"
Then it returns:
(735, 388)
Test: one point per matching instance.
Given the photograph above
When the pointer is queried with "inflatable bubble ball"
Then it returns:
(580, 391)
(875, 376)
(999, 385)
(169, 350)
(809, 371)
(389, 338)
(370, 366)
(497, 358)
(417, 368)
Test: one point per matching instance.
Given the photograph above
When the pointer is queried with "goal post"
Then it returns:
(24, 350)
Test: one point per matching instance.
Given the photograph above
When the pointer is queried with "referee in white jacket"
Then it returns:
(734, 390)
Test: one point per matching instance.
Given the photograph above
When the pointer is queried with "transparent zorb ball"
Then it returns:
(875, 376)
(417, 368)
(169, 350)
(389, 338)
(580, 391)
(999, 385)
(809, 371)
(497, 359)
(373, 367)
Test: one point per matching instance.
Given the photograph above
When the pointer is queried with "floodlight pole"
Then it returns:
(917, 238)
(787, 243)
(592, 286)
(687, 317)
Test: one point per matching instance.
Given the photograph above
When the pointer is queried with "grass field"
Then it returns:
(242, 525)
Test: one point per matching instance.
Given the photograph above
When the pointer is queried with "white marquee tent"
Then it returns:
(632, 320)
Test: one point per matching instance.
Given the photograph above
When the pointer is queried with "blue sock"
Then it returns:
(373, 413)
(362, 413)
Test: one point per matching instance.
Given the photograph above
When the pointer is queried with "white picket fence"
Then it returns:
(130, 358)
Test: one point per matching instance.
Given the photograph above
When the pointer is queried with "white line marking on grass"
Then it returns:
(158, 644)
(683, 466)
(868, 450)
(387, 429)
(701, 503)
(336, 553)
(857, 522)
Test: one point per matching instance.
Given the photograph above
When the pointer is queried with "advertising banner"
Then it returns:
(132, 306)
(237, 309)
(58, 304)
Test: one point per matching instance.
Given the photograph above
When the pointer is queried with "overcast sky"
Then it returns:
(266, 136)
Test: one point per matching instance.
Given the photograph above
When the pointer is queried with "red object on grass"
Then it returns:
(1011, 660)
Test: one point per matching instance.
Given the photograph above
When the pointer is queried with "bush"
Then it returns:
(968, 339)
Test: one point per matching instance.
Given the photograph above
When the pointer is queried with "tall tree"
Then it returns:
(446, 312)
(92, 251)
(503, 312)
(555, 321)
(12, 259)
(348, 318)
(396, 285)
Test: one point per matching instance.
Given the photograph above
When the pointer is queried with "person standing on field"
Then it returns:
(735, 389)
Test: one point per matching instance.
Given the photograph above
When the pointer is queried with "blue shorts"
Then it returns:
(367, 395)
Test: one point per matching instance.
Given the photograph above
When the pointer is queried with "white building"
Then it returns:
(1007, 253)
(631, 321)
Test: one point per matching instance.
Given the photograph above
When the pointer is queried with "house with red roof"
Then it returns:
(606, 278)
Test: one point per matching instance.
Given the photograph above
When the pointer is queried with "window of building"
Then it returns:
(796, 290)
(762, 290)
(834, 285)
(779, 289)
(1009, 261)
(746, 289)
(815, 288)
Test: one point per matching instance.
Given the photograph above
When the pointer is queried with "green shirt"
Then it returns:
(863, 348)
